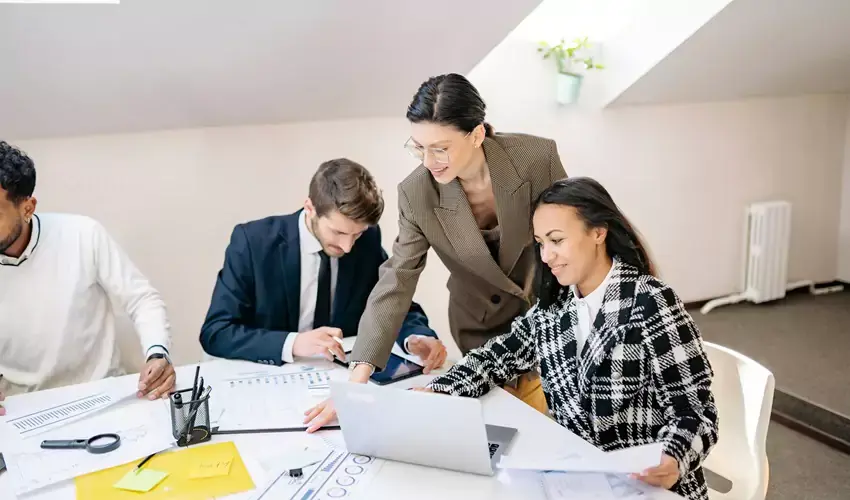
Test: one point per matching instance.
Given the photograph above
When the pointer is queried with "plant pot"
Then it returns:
(568, 87)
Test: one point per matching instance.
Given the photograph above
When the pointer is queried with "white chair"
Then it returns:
(743, 391)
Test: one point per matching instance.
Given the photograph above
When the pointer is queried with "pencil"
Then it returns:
(143, 462)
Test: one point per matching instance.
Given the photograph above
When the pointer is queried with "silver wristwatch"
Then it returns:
(353, 364)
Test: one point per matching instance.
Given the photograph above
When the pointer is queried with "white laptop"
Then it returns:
(420, 428)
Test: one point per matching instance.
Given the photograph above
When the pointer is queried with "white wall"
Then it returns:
(844, 228)
(682, 173)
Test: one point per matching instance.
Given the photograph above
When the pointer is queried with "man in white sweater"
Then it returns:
(59, 275)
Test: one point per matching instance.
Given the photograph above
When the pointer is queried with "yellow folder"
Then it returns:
(189, 475)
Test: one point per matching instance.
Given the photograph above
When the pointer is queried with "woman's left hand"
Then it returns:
(664, 475)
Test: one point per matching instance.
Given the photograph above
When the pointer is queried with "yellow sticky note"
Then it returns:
(143, 480)
(210, 468)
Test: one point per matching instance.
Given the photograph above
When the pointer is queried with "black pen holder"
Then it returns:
(190, 420)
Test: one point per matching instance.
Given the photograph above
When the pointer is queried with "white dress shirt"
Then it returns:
(587, 308)
(310, 263)
(57, 326)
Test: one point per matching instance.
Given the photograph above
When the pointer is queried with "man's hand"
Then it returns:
(430, 350)
(2, 410)
(323, 341)
(156, 379)
(665, 475)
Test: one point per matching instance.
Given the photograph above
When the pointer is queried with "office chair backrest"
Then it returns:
(743, 390)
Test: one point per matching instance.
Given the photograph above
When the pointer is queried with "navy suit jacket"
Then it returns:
(256, 300)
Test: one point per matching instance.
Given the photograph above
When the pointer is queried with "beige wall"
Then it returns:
(171, 198)
(682, 173)
(844, 229)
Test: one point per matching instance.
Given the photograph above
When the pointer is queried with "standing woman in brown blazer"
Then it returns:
(470, 200)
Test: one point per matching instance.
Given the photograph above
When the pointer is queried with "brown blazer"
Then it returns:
(484, 295)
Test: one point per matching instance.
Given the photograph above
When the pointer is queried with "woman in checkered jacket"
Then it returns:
(621, 360)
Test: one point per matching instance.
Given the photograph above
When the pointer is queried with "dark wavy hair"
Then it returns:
(449, 100)
(596, 208)
(17, 173)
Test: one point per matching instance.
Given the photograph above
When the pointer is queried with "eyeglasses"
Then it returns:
(440, 155)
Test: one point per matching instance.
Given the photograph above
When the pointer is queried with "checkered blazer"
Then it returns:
(642, 375)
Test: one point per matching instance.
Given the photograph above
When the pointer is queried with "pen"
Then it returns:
(143, 462)
(195, 384)
(341, 344)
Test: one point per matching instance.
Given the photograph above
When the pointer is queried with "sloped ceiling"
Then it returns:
(755, 48)
(156, 64)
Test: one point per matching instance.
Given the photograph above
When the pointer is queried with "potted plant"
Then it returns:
(572, 60)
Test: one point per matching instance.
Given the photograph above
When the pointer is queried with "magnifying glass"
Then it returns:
(102, 443)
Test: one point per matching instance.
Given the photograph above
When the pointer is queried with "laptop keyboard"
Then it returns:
(493, 448)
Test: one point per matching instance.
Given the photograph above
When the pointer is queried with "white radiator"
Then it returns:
(768, 239)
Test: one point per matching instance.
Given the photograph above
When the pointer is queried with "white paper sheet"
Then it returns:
(625, 461)
(143, 429)
(339, 474)
(272, 400)
(32, 414)
(577, 486)
(597, 486)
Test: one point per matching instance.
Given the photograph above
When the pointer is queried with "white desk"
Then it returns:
(537, 434)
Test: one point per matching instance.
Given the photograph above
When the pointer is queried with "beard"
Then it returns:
(314, 226)
(13, 236)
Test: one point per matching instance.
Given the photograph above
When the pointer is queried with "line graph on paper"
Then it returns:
(49, 418)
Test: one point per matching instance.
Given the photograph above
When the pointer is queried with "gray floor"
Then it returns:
(802, 468)
(805, 341)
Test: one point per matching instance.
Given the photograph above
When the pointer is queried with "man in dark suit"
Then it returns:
(294, 285)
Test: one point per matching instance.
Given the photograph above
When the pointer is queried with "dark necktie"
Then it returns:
(322, 316)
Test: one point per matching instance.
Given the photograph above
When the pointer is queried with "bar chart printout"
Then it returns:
(52, 417)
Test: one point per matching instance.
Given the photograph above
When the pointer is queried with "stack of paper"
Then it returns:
(626, 461)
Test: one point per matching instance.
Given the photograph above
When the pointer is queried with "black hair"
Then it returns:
(17, 173)
(449, 100)
(596, 208)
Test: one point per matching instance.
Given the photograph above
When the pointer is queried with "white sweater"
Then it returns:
(57, 325)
